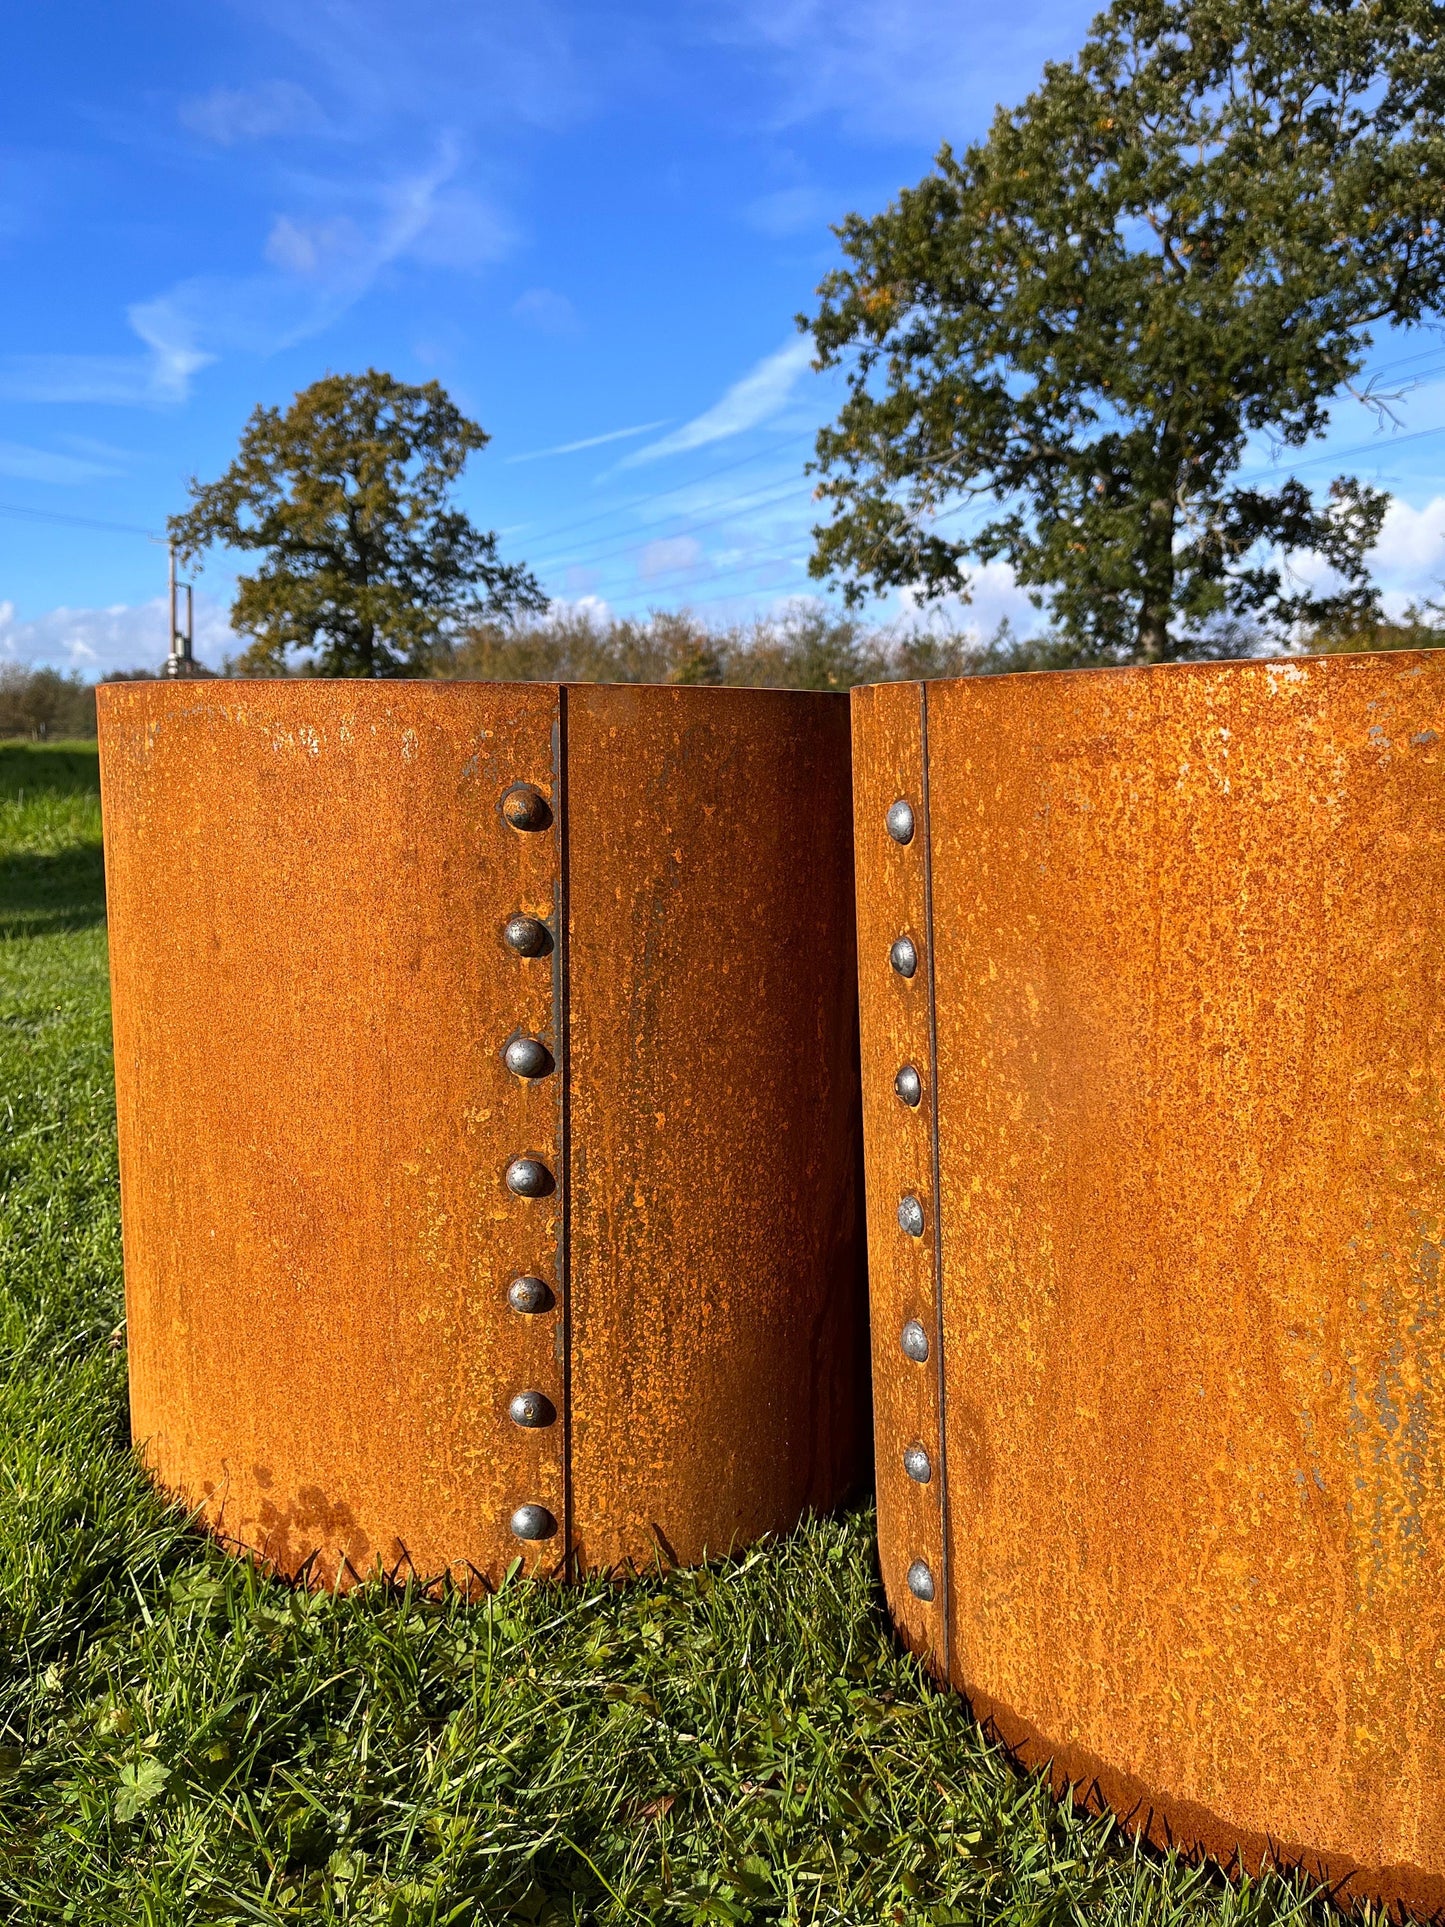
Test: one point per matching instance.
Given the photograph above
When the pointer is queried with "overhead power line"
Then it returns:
(763, 558)
(75, 521)
(1381, 442)
(658, 582)
(805, 588)
(746, 505)
(562, 529)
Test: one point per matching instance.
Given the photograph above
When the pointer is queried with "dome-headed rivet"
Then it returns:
(529, 1294)
(910, 1216)
(528, 1057)
(909, 1086)
(903, 957)
(533, 1522)
(532, 1408)
(917, 1464)
(920, 1581)
(529, 1178)
(525, 807)
(914, 1340)
(528, 936)
(900, 821)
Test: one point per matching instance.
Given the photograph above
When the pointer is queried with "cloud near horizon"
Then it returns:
(1412, 546)
(672, 555)
(1409, 564)
(92, 643)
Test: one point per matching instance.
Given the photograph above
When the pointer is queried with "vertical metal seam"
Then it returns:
(563, 1031)
(944, 1564)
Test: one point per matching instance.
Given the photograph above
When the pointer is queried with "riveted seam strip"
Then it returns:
(562, 1031)
(945, 1595)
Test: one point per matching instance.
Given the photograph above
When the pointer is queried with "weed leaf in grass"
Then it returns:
(141, 1781)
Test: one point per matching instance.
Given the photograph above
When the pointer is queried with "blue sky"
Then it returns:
(593, 224)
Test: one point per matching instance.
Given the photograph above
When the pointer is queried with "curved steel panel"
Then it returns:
(348, 1209)
(719, 1366)
(1190, 1031)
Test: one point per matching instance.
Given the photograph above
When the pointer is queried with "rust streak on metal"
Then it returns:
(718, 1364)
(1192, 1164)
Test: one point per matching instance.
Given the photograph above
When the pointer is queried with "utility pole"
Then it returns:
(181, 661)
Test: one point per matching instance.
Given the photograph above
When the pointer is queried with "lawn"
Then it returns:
(183, 1739)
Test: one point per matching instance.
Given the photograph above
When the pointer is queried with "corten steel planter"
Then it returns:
(1153, 1027)
(487, 1090)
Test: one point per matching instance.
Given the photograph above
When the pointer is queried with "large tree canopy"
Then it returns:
(346, 495)
(1061, 340)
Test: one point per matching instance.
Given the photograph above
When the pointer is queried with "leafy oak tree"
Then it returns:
(366, 565)
(1183, 238)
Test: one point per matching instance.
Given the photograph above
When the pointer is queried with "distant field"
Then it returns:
(66, 767)
(183, 1740)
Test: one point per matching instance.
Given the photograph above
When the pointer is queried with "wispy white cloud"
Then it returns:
(589, 441)
(97, 642)
(463, 230)
(319, 266)
(96, 450)
(792, 210)
(154, 380)
(328, 259)
(27, 464)
(773, 485)
(434, 59)
(328, 262)
(175, 356)
(673, 554)
(762, 393)
(229, 115)
(551, 313)
(919, 70)
(313, 247)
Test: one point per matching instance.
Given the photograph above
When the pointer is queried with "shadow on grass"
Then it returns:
(59, 769)
(41, 895)
(45, 893)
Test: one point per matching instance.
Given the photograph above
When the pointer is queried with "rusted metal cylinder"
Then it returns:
(487, 1093)
(1158, 1359)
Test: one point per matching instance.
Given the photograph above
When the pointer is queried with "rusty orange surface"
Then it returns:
(719, 1319)
(1186, 963)
(307, 886)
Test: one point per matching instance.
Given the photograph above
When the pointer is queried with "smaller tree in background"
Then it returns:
(367, 567)
(43, 705)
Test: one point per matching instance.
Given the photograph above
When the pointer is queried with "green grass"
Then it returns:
(183, 1740)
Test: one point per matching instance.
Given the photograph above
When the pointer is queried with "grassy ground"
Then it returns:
(183, 1740)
